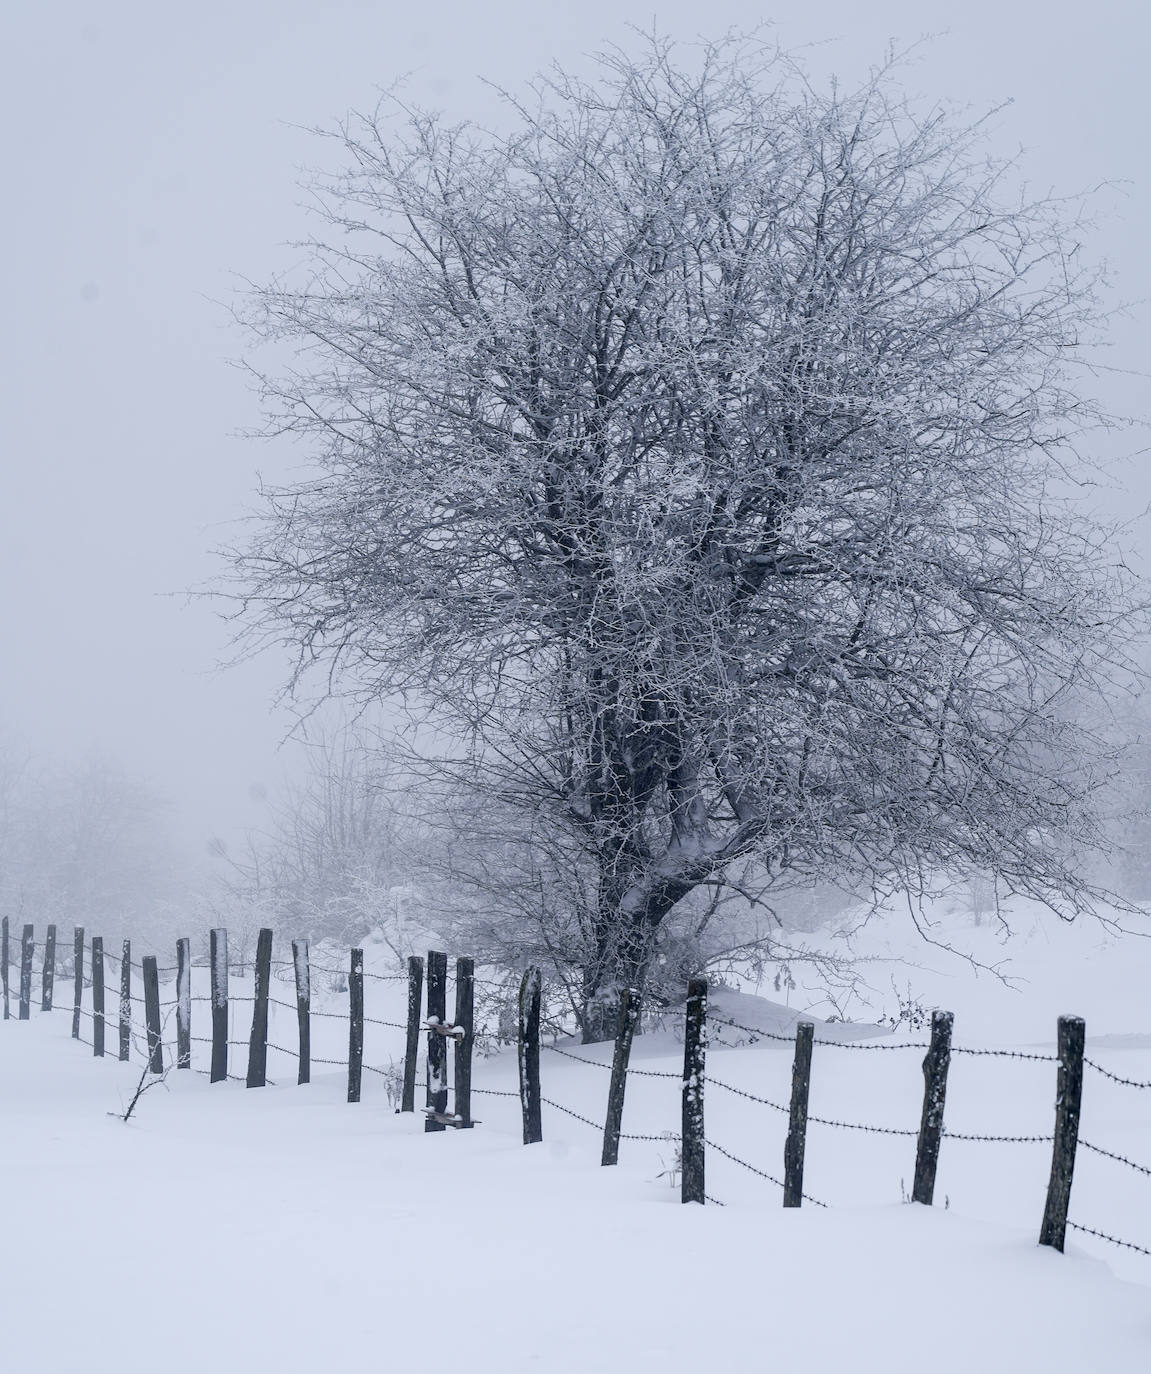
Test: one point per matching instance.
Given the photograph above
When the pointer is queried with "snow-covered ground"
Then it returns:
(284, 1230)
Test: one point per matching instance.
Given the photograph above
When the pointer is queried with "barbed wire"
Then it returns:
(1007, 1054)
(1119, 1159)
(1114, 1077)
(595, 1125)
(1000, 1139)
(497, 1092)
(1114, 1240)
(735, 1159)
(740, 1092)
(830, 1044)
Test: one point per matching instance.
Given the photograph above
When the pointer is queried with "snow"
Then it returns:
(303, 1233)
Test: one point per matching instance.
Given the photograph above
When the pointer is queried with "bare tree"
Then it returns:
(694, 456)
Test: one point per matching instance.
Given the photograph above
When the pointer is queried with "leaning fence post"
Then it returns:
(613, 1121)
(125, 1000)
(48, 971)
(437, 1042)
(152, 1014)
(4, 963)
(412, 1047)
(355, 1024)
(27, 948)
(258, 1041)
(1068, 1096)
(78, 979)
(935, 1065)
(98, 996)
(303, 1007)
(184, 1003)
(465, 1039)
(694, 1052)
(796, 1144)
(218, 961)
(528, 1042)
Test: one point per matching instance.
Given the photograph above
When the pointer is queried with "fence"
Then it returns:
(426, 1020)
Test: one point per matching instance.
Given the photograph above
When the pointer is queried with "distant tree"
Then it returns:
(694, 455)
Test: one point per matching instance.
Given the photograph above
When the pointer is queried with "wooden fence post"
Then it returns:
(303, 974)
(27, 949)
(528, 1044)
(258, 1040)
(152, 1014)
(694, 1055)
(4, 963)
(462, 1054)
(218, 961)
(355, 1024)
(48, 971)
(98, 996)
(125, 1001)
(613, 1121)
(78, 979)
(437, 1042)
(1068, 1097)
(412, 1047)
(184, 1003)
(795, 1146)
(936, 1062)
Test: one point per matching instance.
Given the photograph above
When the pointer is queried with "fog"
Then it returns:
(152, 159)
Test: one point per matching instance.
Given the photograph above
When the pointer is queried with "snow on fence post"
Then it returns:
(125, 999)
(437, 1042)
(795, 1146)
(218, 962)
(412, 1046)
(152, 1014)
(27, 946)
(184, 1003)
(98, 996)
(303, 974)
(613, 1120)
(1068, 1096)
(258, 1040)
(48, 971)
(528, 1043)
(936, 1062)
(355, 1024)
(77, 979)
(694, 1052)
(4, 964)
(464, 1040)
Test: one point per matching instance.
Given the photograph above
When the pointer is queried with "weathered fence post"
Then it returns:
(694, 1054)
(796, 1144)
(258, 1041)
(78, 979)
(184, 1003)
(935, 1065)
(412, 1047)
(465, 1039)
(218, 972)
(355, 1024)
(303, 974)
(27, 949)
(613, 1121)
(48, 971)
(437, 1042)
(98, 996)
(4, 963)
(528, 1044)
(1068, 1096)
(152, 1014)
(125, 1001)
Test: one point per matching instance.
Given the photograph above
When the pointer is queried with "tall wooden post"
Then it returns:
(355, 1024)
(258, 1041)
(184, 1003)
(465, 1039)
(218, 972)
(1068, 1098)
(694, 1056)
(48, 971)
(303, 974)
(613, 1121)
(77, 979)
(437, 1043)
(935, 1065)
(412, 1047)
(98, 996)
(796, 1144)
(4, 957)
(528, 1043)
(27, 949)
(125, 1001)
(152, 1014)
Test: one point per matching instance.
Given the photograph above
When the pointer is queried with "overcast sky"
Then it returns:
(151, 157)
